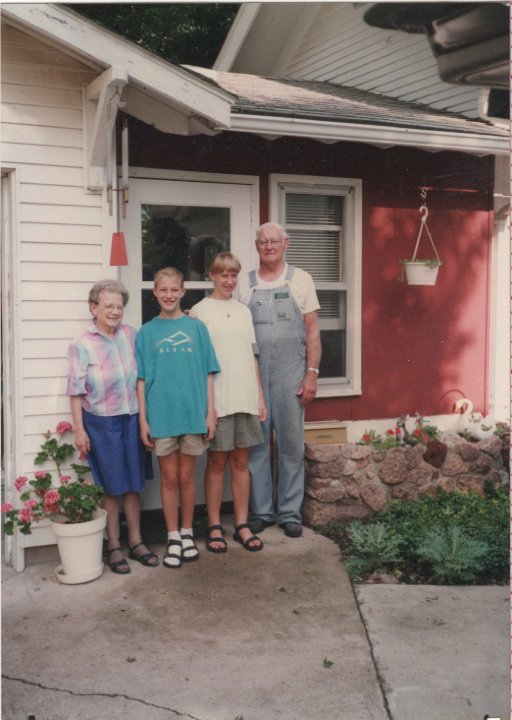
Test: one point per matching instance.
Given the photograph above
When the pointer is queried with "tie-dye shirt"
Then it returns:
(103, 371)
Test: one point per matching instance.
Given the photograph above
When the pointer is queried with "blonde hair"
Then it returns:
(168, 272)
(224, 261)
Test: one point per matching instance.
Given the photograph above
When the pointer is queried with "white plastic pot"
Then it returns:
(80, 548)
(419, 273)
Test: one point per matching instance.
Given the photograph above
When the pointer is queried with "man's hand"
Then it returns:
(307, 390)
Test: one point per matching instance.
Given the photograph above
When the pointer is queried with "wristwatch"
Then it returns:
(315, 370)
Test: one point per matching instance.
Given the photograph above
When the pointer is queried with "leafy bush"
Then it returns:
(453, 555)
(407, 525)
(375, 549)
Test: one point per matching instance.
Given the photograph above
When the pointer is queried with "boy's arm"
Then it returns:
(145, 430)
(211, 414)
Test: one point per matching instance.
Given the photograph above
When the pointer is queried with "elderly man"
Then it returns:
(284, 305)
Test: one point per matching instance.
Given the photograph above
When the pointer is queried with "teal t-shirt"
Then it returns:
(174, 358)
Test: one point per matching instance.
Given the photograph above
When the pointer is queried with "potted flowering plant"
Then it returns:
(72, 506)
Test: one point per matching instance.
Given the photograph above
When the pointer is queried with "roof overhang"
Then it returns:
(380, 136)
(148, 77)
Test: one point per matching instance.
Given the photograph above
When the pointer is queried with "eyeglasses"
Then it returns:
(112, 308)
(269, 243)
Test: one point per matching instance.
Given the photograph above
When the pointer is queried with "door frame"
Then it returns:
(150, 497)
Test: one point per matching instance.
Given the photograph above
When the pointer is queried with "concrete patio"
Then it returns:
(279, 634)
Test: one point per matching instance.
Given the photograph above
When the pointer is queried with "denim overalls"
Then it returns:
(281, 337)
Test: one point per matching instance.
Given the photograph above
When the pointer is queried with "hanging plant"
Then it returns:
(422, 271)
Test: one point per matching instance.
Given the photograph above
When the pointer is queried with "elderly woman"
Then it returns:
(102, 387)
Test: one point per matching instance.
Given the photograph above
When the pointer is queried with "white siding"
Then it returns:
(59, 226)
(341, 48)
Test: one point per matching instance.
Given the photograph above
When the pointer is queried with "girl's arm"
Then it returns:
(145, 430)
(82, 442)
(261, 400)
(211, 414)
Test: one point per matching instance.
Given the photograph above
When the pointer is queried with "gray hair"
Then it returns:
(114, 286)
(274, 226)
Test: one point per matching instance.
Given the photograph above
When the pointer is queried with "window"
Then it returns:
(186, 237)
(322, 217)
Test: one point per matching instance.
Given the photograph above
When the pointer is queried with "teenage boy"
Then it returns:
(176, 361)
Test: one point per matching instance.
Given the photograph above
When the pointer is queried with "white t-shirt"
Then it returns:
(301, 287)
(232, 334)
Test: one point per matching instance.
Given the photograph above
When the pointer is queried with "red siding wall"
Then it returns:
(422, 347)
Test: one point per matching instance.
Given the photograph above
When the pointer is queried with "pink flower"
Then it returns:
(26, 515)
(51, 499)
(63, 427)
(30, 503)
(65, 479)
(6, 507)
(40, 474)
(20, 482)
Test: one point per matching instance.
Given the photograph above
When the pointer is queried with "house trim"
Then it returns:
(11, 349)
(378, 135)
(238, 31)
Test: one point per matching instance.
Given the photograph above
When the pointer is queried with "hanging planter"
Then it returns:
(422, 272)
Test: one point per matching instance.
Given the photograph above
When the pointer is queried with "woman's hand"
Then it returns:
(82, 443)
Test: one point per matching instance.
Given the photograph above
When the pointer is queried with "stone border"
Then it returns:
(349, 481)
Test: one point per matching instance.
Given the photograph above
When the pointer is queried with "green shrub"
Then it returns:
(453, 555)
(406, 525)
(375, 549)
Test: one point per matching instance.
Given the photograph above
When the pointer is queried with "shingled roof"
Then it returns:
(324, 101)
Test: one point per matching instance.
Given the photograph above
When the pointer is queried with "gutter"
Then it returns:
(381, 135)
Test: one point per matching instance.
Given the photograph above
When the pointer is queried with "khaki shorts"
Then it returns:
(240, 430)
(187, 444)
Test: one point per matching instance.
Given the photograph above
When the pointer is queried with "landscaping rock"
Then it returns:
(322, 453)
(375, 497)
(325, 469)
(330, 494)
(470, 483)
(454, 465)
(351, 451)
(491, 445)
(404, 491)
(394, 467)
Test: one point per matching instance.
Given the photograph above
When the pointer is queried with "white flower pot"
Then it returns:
(417, 273)
(80, 548)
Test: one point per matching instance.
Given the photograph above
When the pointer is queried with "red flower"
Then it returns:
(390, 432)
